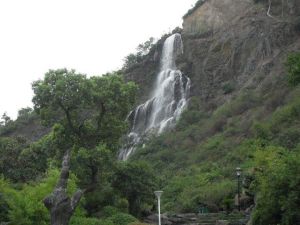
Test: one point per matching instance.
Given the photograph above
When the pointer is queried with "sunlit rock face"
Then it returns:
(167, 101)
(213, 14)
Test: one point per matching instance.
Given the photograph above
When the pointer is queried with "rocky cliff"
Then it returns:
(237, 44)
(229, 46)
(235, 53)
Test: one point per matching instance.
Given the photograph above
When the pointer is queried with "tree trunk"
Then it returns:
(60, 205)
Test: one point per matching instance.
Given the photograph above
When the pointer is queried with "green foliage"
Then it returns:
(88, 110)
(293, 67)
(136, 182)
(228, 88)
(109, 211)
(25, 117)
(116, 218)
(187, 193)
(11, 167)
(26, 206)
(4, 207)
(21, 162)
(89, 221)
(122, 219)
(283, 126)
(88, 115)
(142, 50)
(277, 187)
(6, 124)
(131, 60)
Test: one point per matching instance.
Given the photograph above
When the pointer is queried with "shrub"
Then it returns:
(89, 221)
(228, 88)
(293, 67)
(26, 206)
(122, 219)
(277, 187)
(109, 211)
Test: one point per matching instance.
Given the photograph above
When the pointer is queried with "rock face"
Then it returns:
(241, 46)
(229, 43)
(213, 15)
(231, 48)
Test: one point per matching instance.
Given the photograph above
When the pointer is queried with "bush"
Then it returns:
(136, 182)
(26, 206)
(277, 187)
(228, 88)
(89, 221)
(109, 211)
(293, 67)
(122, 219)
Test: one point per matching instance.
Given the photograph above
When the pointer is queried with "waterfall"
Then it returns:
(168, 99)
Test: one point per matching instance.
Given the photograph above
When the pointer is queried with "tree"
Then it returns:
(136, 182)
(10, 166)
(277, 183)
(5, 118)
(89, 114)
(144, 48)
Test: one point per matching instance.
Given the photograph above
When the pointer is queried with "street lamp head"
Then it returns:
(238, 171)
(158, 193)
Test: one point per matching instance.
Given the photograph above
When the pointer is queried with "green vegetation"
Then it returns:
(277, 186)
(228, 88)
(142, 50)
(87, 116)
(293, 65)
(25, 116)
(24, 203)
(194, 164)
(136, 183)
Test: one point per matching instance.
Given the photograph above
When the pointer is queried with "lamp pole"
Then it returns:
(238, 174)
(158, 194)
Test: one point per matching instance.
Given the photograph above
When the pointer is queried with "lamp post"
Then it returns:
(158, 194)
(238, 174)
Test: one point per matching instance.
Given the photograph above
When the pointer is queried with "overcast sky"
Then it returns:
(91, 36)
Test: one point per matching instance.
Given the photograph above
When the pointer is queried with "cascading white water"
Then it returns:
(168, 100)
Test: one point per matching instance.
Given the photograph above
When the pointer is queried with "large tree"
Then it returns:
(88, 115)
(136, 182)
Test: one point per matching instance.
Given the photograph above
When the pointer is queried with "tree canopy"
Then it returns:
(88, 115)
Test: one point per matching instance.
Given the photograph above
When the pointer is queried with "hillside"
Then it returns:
(235, 55)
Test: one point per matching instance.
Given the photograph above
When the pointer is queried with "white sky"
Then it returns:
(91, 36)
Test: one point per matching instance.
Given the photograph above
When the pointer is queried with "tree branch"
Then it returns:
(64, 174)
(101, 115)
(66, 111)
(76, 199)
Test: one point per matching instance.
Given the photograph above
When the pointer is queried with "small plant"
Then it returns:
(228, 88)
